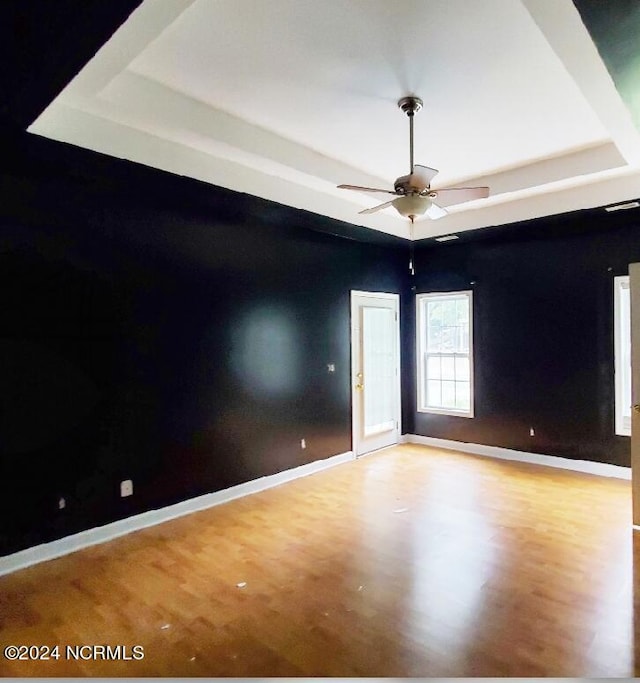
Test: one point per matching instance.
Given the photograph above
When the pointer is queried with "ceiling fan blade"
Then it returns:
(434, 212)
(425, 173)
(373, 209)
(456, 195)
(358, 188)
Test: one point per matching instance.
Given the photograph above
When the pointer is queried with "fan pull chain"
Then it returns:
(412, 263)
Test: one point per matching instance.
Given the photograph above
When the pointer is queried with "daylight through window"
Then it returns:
(622, 355)
(445, 353)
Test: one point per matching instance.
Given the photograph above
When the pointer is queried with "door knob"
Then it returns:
(636, 408)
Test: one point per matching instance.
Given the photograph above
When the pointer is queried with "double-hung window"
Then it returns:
(622, 355)
(445, 353)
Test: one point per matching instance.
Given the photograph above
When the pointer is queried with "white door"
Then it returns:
(375, 370)
(634, 286)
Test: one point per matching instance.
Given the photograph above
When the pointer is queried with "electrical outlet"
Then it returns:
(532, 432)
(303, 443)
(331, 367)
(126, 488)
(62, 504)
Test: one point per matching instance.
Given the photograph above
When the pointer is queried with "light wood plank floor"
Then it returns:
(409, 562)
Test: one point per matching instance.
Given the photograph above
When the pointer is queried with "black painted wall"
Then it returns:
(162, 330)
(159, 329)
(153, 327)
(543, 330)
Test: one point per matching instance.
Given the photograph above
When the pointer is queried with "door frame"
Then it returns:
(634, 287)
(355, 357)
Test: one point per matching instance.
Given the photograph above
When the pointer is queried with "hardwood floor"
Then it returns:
(409, 562)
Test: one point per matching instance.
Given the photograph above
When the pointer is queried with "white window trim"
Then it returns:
(420, 355)
(622, 425)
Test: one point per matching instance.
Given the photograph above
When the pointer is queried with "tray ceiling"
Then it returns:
(287, 99)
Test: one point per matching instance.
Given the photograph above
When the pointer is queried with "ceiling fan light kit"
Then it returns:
(411, 205)
(413, 191)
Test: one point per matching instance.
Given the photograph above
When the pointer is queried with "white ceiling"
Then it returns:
(288, 98)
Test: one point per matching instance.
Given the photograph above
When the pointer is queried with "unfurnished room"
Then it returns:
(320, 338)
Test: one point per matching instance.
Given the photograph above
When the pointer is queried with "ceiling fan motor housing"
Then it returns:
(401, 184)
(410, 184)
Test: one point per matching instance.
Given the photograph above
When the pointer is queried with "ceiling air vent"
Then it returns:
(622, 207)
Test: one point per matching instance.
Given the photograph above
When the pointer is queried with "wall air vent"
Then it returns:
(622, 207)
(446, 238)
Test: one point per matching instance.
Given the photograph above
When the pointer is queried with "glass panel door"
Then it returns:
(375, 370)
(378, 351)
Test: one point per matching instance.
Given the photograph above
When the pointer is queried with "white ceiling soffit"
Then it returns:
(287, 99)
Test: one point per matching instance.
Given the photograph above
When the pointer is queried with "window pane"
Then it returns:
(462, 311)
(435, 312)
(448, 367)
(449, 316)
(433, 367)
(434, 325)
(379, 369)
(622, 355)
(625, 351)
(463, 339)
(448, 339)
(463, 395)
(434, 334)
(433, 394)
(462, 368)
(448, 394)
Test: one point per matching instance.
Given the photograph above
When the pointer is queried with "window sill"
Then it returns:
(445, 411)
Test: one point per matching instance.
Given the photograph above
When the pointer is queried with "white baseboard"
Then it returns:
(599, 468)
(84, 539)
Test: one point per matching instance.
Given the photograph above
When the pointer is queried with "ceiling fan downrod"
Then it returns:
(413, 194)
(410, 105)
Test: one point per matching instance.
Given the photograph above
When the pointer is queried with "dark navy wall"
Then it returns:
(153, 327)
(543, 329)
(162, 330)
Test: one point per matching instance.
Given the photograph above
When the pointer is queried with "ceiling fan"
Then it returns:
(413, 191)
